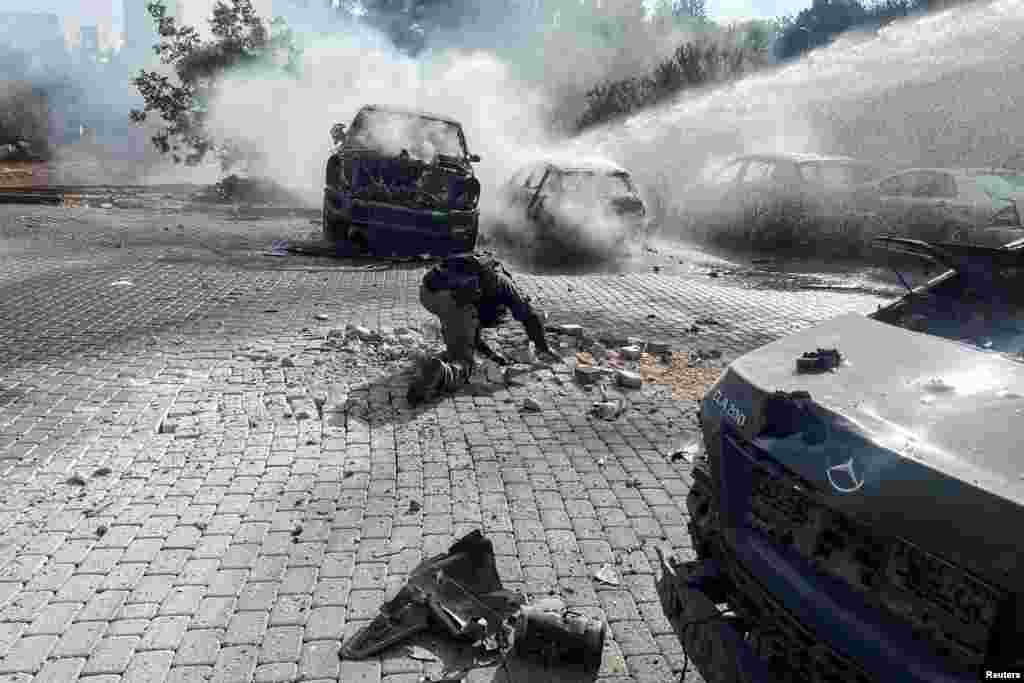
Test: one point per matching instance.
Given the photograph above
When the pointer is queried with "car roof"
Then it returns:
(409, 112)
(800, 158)
(961, 172)
(581, 166)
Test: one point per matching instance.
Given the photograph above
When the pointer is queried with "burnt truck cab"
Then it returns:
(401, 181)
(864, 523)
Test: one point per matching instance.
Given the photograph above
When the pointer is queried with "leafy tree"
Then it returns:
(241, 41)
(817, 25)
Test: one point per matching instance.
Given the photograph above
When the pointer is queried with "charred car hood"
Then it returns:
(936, 463)
(444, 183)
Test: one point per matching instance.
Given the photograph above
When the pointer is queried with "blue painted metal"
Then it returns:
(826, 606)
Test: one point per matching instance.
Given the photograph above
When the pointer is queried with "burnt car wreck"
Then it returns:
(401, 181)
(861, 523)
(578, 207)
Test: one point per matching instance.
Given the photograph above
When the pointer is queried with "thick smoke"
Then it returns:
(939, 90)
(289, 120)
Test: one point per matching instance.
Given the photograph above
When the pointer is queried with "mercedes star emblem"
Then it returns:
(844, 478)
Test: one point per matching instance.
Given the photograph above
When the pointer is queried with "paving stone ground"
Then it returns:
(196, 486)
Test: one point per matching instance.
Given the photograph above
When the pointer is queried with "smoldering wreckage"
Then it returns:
(826, 574)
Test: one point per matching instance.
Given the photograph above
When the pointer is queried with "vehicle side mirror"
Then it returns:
(474, 158)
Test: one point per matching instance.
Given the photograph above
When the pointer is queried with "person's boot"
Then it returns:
(438, 376)
(429, 383)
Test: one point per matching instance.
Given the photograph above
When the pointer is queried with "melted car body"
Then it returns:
(400, 180)
(577, 206)
(863, 523)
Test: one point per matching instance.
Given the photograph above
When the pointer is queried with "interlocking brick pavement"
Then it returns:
(196, 488)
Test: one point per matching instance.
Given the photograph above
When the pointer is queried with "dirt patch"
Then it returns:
(23, 173)
(688, 382)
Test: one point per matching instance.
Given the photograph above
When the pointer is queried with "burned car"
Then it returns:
(401, 181)
(859, 510)
(576, 206)
(776, 198)
(980, 206)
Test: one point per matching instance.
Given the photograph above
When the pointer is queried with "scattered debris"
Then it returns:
(421, 654)
(706, 320)
(531, 405)
(688, 382)
(413, 508)
(630, 352)
(938, 386)
(587, 375)
(630, 380)
(553, 636)
(689, 451)
(607, 575)
(821, 360)
(658, 348)
(584, 358)
(570, 330)
(278, 248)
(459, 590)
(608, 410)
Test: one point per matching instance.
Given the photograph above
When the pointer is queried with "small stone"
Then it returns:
(101, 531)
(414, 507)
(587, 375)
(531, 405)
(101, 472)
(75, 480)
(607, 575)
(630, 380)
(321, 316)
(571, 330)
(630, 352)
(658, 348)
(287, 362)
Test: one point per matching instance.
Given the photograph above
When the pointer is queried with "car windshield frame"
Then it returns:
(857, 174)
(360, 135)
(556, 182)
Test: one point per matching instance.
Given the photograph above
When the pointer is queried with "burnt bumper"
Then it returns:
(689, 592)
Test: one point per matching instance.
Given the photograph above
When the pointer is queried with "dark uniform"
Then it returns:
(468, 292)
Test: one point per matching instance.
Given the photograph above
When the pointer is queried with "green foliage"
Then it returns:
(241, 42)
(817, 25)
(694, 64)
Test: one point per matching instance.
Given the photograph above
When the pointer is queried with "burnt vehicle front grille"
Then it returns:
(944, 605)
(792, 653)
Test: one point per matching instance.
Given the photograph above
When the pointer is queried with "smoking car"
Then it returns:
(577, 206)
(401, 180)
(772, 197)
(859, 510)
(940, 204)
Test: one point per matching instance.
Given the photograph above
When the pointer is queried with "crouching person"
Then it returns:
(468, 292)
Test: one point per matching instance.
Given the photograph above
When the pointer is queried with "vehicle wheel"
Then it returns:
(334, 231)
(360, 244)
